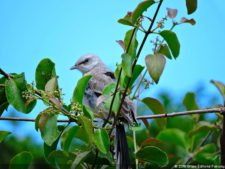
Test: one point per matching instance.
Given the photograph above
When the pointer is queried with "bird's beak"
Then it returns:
(73, 67)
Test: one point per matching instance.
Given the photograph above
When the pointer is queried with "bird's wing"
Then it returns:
(100, 78)
(93, 93)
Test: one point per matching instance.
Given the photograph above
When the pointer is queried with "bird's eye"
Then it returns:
(84, 62)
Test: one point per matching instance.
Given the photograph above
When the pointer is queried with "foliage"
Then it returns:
(161, 143)
(11, 146)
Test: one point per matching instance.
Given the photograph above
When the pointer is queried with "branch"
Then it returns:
(135, 62)
(173, 114)
(118, 81)
(200, 145)
(154, 116)
(54, 101)
(27, 119)
(6, 75)
(138, 85)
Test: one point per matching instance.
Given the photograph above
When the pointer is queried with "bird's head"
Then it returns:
(87, 62)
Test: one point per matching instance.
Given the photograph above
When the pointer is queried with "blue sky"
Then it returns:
(63, 30)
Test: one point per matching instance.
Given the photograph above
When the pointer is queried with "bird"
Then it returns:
(91, 64)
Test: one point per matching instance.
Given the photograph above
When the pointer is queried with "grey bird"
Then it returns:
(91, 64)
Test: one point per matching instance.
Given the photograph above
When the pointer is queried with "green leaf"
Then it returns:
(109, 89)
(220, 86)
(36, 123)
(154, 105)
(78, 93)
(3, 135)
(2, 90)
(188, 122)
(79, 158)
(155, 65)
(107, 97)
(47, 123)
(133, 43)
(122, 77)
(189, 101)
(118, 67)
(21, 160)
(88, 128)
(74, 136)
(3, 107)
(206, 154)
(143, 6)
(48, 149)
(51, 86)
(157, 108)
(102, 140)
(126, 20)
(141, 135)
(202, 126)
(127, 64)
(88, 112)
(44, 72)
(116, 103)
(152, 142)
(172, 41)
(20, 81)
(164, 49)
(67, 137)
(3, 100)
(61, 159)
(153, 155)
(173, 136)
(103, 159)
(136, 72)
(191, 6)
(198, 138)
(14, 96)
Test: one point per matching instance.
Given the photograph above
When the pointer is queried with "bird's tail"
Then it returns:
(122, 152)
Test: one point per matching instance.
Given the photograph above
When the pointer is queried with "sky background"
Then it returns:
(64, 30)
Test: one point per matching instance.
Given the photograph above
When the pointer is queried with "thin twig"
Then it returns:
(205, 139)
(38, 93)
(115, 91)
(154, 116)
(6, 75)
(135, 62)
(134, 132)
(96, 157)
(27, 119)
(202, 111)
(118, 81)
(53, 101)
(200, 145)
(139, 84)
(113, 98)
